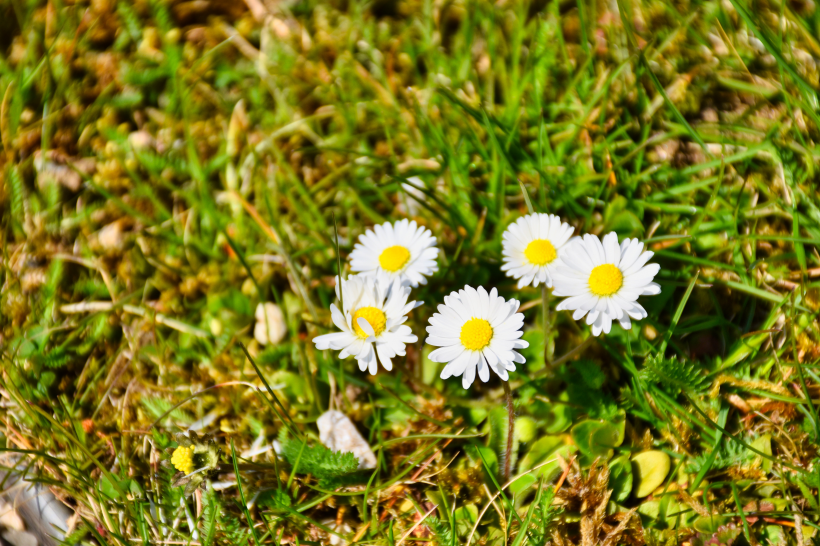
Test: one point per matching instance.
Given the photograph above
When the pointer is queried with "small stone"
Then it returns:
(9, 518)
(338, 433)
(110, 236)
(141, 140)
(19, 538)
(270, 324)
(341, 528)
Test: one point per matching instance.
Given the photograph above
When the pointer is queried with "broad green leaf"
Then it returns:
(597, 438)
(620, 477)
(649, 469)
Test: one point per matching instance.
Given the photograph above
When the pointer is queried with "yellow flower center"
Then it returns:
(476, 334)
(183, 459)
(393, 258)
(605, 280)
(374, 316)
(540, 252)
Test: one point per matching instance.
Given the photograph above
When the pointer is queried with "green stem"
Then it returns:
(545, 304)
(510, 431)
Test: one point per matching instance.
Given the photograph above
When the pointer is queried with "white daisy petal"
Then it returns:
(372, 362)
(612, 251)
(363, 358)
(483, 369)
(491, 358)
(440, 341)
(637, 312)
(446, 354)
(338, 318)
(335, 341)
(469, 375)
(364, 325)
(652, 289)
(630, 252)
(354, 348)
(602, 280)
(458, 365)
(607, 322)
(385, 356)
(639, 262)
(447, 372)
(597, 327)
(476, 332)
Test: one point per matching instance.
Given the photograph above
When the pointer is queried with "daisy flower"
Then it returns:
(531, 246)
(196, 458)
(372, 323)
(476, 330)
(603, 280)
(403, 251)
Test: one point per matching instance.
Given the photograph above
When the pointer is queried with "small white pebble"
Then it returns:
(270, 324)
(337, 432)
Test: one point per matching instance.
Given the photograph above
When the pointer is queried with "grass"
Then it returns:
(167, 166)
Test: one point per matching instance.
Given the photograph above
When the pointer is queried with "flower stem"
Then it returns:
(545, 305)
(510, 431)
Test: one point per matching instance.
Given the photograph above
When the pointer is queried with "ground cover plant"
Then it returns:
(183, 182)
